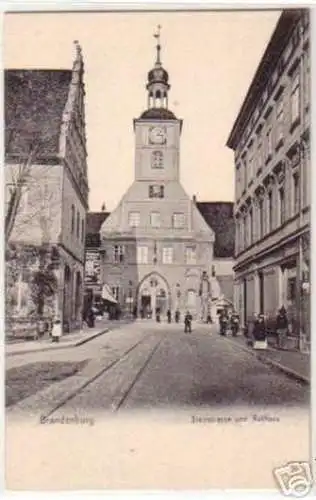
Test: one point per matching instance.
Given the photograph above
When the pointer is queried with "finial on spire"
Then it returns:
(78, 49)
(158, 46)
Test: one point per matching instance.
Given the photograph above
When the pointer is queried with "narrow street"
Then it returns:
(145, 365)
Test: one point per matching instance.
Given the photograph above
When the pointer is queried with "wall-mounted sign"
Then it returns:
(92, 267)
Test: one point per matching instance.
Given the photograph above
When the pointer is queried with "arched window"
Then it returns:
(72, 218)
(158, 94)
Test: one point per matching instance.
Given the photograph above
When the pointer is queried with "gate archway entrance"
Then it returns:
(153, 292)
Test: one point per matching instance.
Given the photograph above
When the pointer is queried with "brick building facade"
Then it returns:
(46, 173)
(271, 143)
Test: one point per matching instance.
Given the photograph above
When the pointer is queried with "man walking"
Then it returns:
(188, 322)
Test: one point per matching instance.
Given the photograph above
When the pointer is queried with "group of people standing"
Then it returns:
(260, 331)
(258, 336)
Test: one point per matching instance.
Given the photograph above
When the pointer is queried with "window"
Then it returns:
(269, 144)
(237, 183)
(115, 292)
(245, 231)
(281, 206)
(157, 159)
(167, 255)
(261, 218)
(307, 79)
(78, 223)
(237, 236)
(259, 149)
(296, 193)
(118, 253)
(156, 191)
(280, 120)
(178, 220)
(82, 230)
(142, 255)
(295, 98)
(250, 168)
(133, 219)
(250, 226)
(245, 173)
(190, 255)
(72, 218)
(270, 211)
(155, 219)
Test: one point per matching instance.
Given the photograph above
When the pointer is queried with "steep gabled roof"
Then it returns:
(220, 217)
(34, 105)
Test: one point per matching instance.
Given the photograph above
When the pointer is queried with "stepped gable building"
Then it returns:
(271, 142)
(46, 193)
(157, 247)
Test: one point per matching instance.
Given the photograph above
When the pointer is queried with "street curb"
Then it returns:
(59, 346)
(268, 361)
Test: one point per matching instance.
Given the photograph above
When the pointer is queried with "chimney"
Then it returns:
(194, 199)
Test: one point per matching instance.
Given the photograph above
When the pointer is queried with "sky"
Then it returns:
(211, 58)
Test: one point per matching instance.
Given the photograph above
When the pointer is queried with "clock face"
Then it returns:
(157, 135)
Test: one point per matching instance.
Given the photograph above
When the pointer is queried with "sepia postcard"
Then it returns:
(157, 250)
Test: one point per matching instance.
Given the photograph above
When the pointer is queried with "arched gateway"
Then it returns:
(153, 292)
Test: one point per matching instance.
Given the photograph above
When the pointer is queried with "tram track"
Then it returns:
(122, 390)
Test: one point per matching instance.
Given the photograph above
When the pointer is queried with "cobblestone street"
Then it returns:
(146, 365)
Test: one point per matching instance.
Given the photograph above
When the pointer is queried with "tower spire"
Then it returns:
(158, 77)
(158, 46)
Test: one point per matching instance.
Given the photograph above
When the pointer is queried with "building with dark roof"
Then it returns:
(157, 246)
(271, 142)
(46, 192)
(218, 215)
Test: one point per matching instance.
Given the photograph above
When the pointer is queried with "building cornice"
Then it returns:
(267, 65)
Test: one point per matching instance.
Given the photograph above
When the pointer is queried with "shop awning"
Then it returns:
(107, 294)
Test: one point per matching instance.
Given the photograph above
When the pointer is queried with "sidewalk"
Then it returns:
(294, 363)
(76, 338)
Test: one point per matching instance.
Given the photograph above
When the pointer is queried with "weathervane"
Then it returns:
(157, 36)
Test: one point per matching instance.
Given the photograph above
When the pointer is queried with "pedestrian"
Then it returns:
(234, 324)
(177, 316)
(209, 319)
(188, 322)
(223, 322)
(282, 326)
(90, 318)
(169, 316)
(259, 333)
(56, 330)
(158, 315)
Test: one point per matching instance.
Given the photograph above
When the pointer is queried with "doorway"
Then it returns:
(146, 305)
